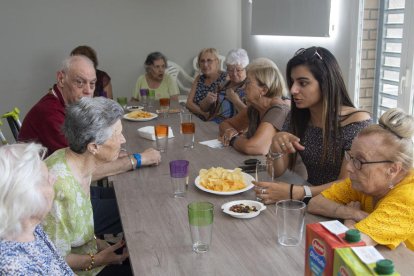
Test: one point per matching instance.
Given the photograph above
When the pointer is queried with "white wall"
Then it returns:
(36, 35)
(281, 48)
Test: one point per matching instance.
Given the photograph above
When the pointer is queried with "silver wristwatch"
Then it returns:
(308, 194)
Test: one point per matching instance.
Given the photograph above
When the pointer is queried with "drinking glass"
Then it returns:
(123, 101)
(151, 98)
(290, 218)
(144, 94)
(179, 176)
(164, 106)
(187, 129)
(264, 173)
(161, 137)
(200, 218)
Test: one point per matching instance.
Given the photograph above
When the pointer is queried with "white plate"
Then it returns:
(259, 206)
(134, 107)
(247, 180)
(140, 119)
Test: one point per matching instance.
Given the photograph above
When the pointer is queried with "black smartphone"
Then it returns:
(252, 161)
(248, 168)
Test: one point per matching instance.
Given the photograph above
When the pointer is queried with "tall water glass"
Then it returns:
(164, 106)
(187, 129)
(161, 137)
(144, 94)
(200, 218)
(264, 173)
(151, 98)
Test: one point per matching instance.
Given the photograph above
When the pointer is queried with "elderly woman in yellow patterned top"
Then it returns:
(378, 196)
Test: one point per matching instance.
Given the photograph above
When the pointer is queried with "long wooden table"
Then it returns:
(156, 226)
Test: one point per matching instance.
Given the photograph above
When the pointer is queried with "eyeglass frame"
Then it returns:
(301, 51)
(208, 61)
(235, 70)
(81, 82)
(355, 161)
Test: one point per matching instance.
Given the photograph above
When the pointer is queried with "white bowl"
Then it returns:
(259, 206)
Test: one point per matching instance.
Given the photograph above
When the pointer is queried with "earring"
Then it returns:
(390, 186)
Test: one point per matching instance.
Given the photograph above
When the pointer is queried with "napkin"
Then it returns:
(215, 144)
(148, 132)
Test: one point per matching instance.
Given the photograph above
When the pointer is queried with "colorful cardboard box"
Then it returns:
(321, 240)
(360, 261)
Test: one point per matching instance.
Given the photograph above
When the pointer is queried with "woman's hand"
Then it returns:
(285, 142)
(271, 192)
(358, 213)
(150, 157)
(210, 98)
(227, 135)
(231, 95)
(108, 256)
(102, 244)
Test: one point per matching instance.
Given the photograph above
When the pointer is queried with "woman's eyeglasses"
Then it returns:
(308, 52)
(208, 61)
(358, 163)
(234, 70)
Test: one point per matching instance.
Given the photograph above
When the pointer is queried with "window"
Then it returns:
(395, 56)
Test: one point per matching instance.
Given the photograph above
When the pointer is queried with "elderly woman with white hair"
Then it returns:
(26, 196)
(93, 130)
(378, 197)
(252, 129)
(229, 99)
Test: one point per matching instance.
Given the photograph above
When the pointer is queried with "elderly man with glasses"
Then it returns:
(43, 123)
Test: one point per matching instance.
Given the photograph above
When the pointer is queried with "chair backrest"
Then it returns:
(12, 118)
(2, 138)
(222, 60)
(184, 81)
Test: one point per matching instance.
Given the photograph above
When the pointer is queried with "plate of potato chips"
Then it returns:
(220, 181)
(140, 116)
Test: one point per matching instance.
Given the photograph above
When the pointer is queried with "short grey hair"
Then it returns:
(68, 62)
(237, 57)
(90, 120)
(20, 182)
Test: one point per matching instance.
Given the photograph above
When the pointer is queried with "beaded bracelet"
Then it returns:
(92, 262)
(138, 157)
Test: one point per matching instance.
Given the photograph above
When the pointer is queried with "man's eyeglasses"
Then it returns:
(308, 52)
(358, 163)
(208, 61)
(80, 83)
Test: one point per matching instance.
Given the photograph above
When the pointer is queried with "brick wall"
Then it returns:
(368, 54)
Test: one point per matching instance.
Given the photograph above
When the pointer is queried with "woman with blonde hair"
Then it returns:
(206, 84)
(252, 129)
